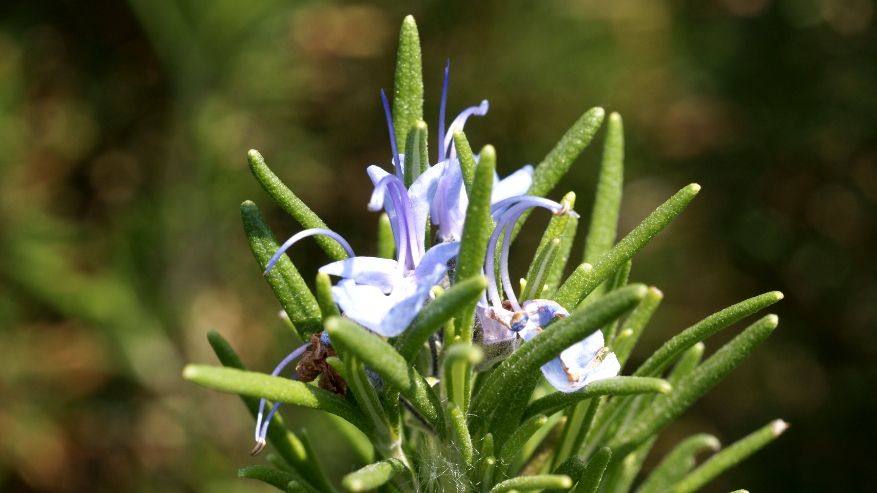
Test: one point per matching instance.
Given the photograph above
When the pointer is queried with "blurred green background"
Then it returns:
(123, 133)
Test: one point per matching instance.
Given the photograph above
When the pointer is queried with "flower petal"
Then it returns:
(513, 185)
(421, 194)
(365, 304)
(382, 273)
(435, 262)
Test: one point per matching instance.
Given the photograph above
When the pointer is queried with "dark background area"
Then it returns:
(123, 134)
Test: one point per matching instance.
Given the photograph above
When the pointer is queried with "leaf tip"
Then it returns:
(656, 293)
(614, 118)
(488, 151)
(420, 125)
(566, 482)
(639, 290)
(190, 372)
(772, 320)
(778, 295)
(778, 426)
(665, 387)
(408, 22)
(693, 188)
(254, 155)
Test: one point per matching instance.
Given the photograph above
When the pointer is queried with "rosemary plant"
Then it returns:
(459, 378)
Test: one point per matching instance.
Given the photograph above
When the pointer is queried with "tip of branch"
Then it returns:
(777, 427)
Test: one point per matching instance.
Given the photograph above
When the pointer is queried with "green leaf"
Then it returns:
(328, 308)
(556, 401)
(677, 463)
(460, 433)
(549, 172)
(408, 83)
(290, 448)
(664, 356)
(693, 386)
(459, 358)
(289, 202)
(315, 469)
(537, 482)
(593, 474)
(275, 477)
(284, 279)
(687, 363)
(519, 437)
(730, 456)
(476, 231)
(467, 159)
(386, 241)
(372, 475)
(635, 324)
(380, 356)
(607, 197)
(547, 345)
(276, 389)
(416, 152)
(555, 274)
(542, 266)
(436, 313)
(582, 282)
(367, 399)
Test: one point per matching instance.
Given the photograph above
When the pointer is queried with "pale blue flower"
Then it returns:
(506, 323)
(448, 210)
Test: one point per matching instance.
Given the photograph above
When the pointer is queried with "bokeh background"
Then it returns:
(123, 133)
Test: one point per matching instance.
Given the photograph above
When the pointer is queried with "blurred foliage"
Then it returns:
(123, 135)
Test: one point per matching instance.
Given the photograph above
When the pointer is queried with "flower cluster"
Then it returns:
(385, 295)
(450, 375)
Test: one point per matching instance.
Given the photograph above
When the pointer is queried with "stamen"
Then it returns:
(506, 213)
(302, 235)
(397, 164)
(460, 121)
(410, 247)
(262, 423)
(442, 107)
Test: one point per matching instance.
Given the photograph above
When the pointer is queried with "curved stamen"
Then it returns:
(460, 121)
(262, 423)
(507, 212)
(302, 235)
(410, 247)
(442, 107)
(397, 164)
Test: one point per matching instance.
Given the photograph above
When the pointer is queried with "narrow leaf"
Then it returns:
(590, 480)
(372, 475)
(436, 313)
(543, 261)
(328, 308)
(275, 477)
(476, 232)
(635, 323)
(555, 274)
(289, 202)
(549, 172)
(416, 152)
(520, 436)
(467, 159)
(556, 401)
(458, 360)
(277, 389)
(730, 456)
(537, 482)
(460, 433)
(290, 448)
(581, 283)
(677, 463)
(380, 356)
(693, 386)
(664, 356)
(284, 279)
(607, 197)
(408, 83)
(386, 241)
